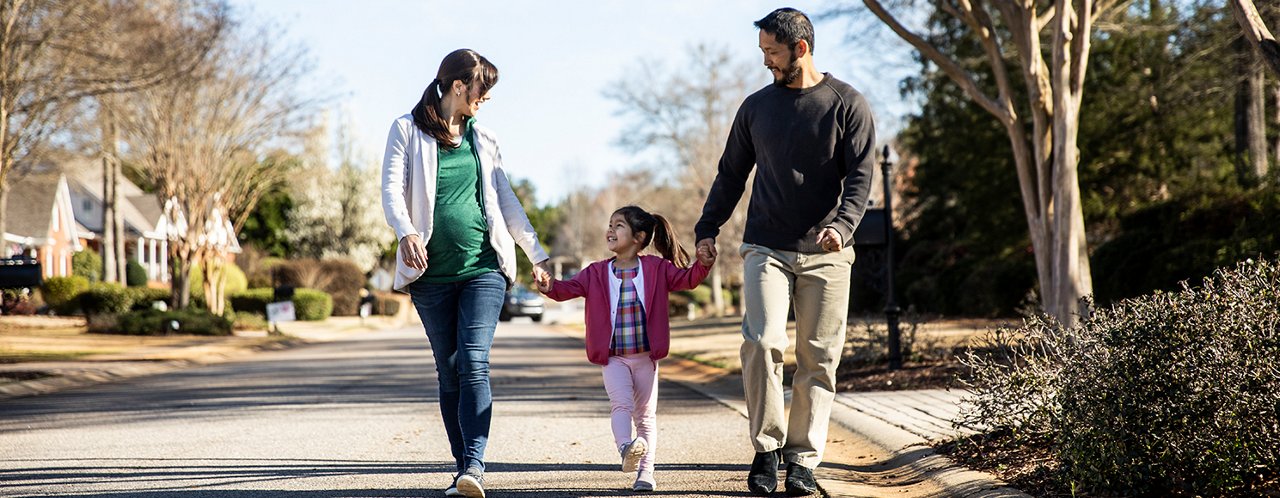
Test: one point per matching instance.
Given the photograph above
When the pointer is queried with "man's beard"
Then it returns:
(790, 73)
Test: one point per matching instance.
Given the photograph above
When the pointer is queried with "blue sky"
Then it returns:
(556, 59)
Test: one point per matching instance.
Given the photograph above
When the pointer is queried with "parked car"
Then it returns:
(522, 302)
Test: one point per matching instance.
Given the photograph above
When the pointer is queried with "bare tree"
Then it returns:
(1255, 29)
(202, 140)
(55, 53)
(1046, 160)
(685, 116)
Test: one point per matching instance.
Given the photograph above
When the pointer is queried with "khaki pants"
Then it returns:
(819, 286)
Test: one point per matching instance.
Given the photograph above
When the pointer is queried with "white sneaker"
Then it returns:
(632, 453)
(471, 486)
(452, 491)
(644, 481)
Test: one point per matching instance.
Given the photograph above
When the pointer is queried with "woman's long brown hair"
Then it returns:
(463, 65)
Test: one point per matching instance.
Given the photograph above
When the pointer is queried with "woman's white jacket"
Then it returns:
(409, 197)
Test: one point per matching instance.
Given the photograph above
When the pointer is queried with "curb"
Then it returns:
(74, 377)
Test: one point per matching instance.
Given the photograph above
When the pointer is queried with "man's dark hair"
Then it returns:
(789, 26)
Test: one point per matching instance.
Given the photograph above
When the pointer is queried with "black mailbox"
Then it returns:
(870, 232)
(282, 293)
(19, 273)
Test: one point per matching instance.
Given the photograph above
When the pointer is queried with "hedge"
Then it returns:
(1172, 393)
(309, 304)
(156, 322)
(61, 293)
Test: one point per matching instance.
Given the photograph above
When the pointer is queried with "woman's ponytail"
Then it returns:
(426, 115)
(664, 240)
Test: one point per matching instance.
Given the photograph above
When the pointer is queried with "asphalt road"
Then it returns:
(356, 417)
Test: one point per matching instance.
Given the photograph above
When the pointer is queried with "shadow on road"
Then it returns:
(147, 477)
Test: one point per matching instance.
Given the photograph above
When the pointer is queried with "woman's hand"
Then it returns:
(542, 277)
(413, 252)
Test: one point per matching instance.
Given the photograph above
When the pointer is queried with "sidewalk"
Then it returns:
(132, 356)
(887, 448)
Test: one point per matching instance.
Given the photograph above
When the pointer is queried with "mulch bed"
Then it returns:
(913, 375)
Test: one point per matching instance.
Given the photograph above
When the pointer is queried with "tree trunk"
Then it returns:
(213, 285)
(4, 218)
(1257, 118)
(1250, 118)
(180, 296)
(108, 222)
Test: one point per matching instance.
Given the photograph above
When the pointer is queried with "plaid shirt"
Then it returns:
(629, 335)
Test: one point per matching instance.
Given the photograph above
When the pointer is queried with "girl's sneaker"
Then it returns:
(632, 453)
(644, 481)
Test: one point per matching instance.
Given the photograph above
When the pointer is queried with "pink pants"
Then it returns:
(632, 384)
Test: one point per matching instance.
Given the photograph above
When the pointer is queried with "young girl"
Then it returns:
(627, 329)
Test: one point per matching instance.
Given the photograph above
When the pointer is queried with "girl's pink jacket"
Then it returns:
(660, 278)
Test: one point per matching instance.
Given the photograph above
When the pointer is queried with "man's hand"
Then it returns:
(708, 245)
(413, 252)
(830, 240)
(706, 255)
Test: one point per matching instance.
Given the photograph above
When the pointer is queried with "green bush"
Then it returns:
(62, 293)
(105, 298)
(145, 297)
(312, 305)
(251, 301)
(135, 275)
(248, 321)
(87, 264)
(156, 322)
(1170, 393)
(309, 304)
(232, 277)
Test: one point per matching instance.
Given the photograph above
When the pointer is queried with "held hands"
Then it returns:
(542, 277)
(830, 240)
(706, 252)
(413, 252)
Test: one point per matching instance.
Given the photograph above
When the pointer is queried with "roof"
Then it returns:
(140, 210)
(30, 205)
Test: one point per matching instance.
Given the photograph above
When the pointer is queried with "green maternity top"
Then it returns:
(459, 248)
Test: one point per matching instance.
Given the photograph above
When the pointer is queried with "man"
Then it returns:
(812, 140)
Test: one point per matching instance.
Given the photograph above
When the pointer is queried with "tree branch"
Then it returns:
(1256, 31)
(948, 66)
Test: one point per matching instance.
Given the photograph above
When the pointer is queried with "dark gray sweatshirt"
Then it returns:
(815, 149)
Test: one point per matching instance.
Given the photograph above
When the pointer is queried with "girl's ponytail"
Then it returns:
(657, 231)
(665, 242)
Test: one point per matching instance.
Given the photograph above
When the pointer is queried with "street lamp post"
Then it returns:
(891, 310)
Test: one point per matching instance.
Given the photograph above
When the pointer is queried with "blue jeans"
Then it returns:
(460, 319)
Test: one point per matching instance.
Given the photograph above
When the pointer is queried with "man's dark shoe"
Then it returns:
(800, 481)
(763, 478)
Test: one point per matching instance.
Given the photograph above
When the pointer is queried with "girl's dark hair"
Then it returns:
(657, 230)
(463, 65)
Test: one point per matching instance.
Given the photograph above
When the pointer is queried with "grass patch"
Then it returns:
(10, 357)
